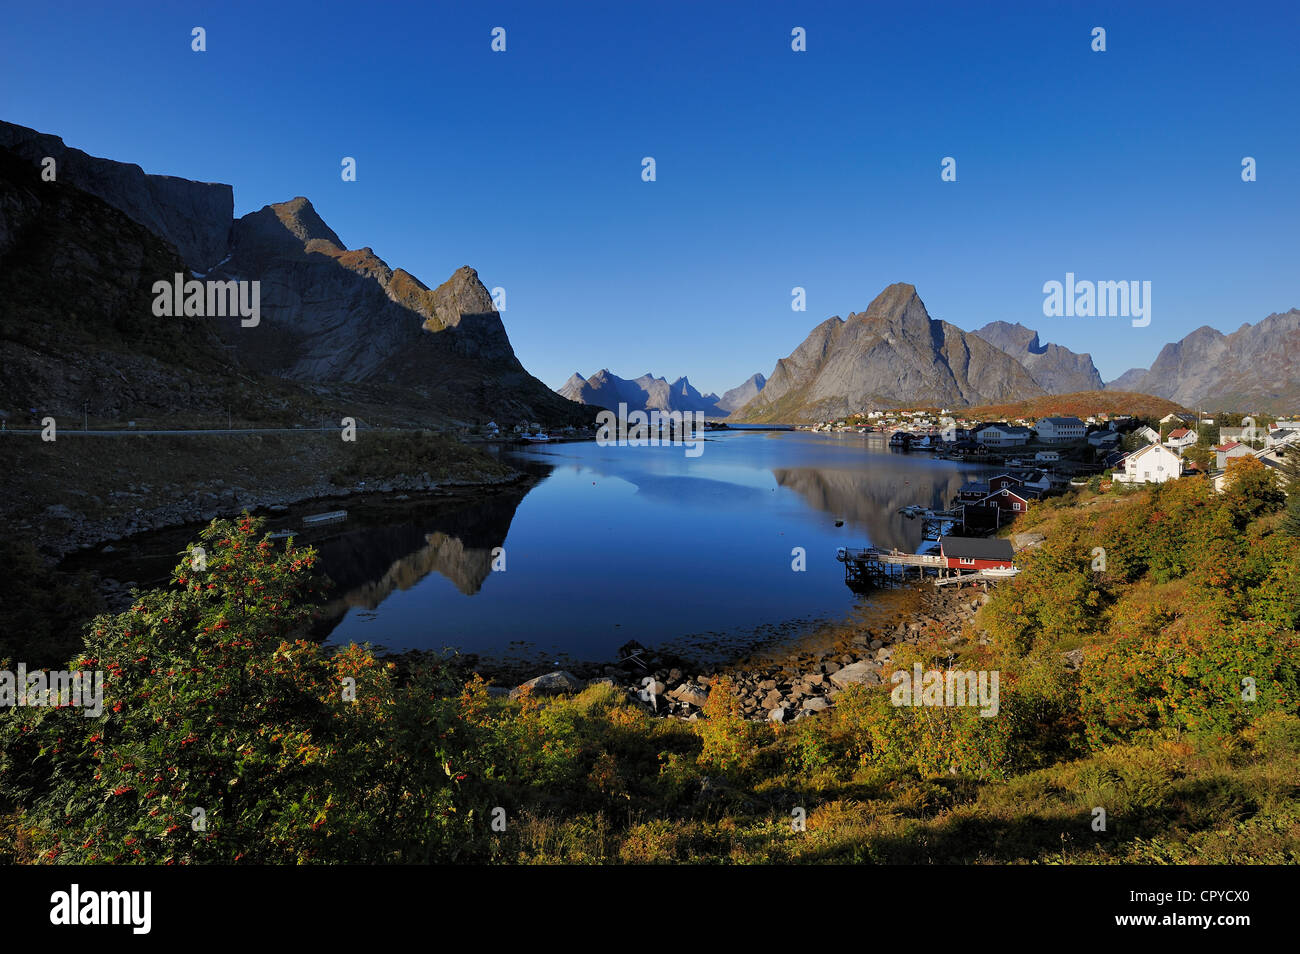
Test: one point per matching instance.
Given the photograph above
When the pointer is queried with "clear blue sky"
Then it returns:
(775, 168)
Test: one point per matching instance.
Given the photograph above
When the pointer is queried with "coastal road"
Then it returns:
(128, 431)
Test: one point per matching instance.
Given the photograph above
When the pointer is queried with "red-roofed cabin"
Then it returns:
(976, 553)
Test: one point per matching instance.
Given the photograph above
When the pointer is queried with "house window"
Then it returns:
(967, 561)
(1015, 505)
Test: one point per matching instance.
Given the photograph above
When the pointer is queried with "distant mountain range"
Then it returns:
(338, 328)
(1256, 367)
(895, 355)
(341, 330)
(646, 393)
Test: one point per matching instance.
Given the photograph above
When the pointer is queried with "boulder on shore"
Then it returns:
(694, 695)
(552, 683)
(860, 673)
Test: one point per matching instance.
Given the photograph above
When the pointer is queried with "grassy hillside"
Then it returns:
(1078, 404)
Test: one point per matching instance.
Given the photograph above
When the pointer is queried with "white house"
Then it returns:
(1148, 434)
(1227, 451)
(1047, 457)
(1003, 435)
(1059, 430)
(1271, 457)
(1180, 438)
(1153, 464)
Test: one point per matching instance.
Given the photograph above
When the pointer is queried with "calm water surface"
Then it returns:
(619, 543)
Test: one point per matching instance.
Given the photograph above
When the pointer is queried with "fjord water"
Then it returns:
(645, 543)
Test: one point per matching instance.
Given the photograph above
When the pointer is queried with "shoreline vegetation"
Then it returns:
(1147, 714)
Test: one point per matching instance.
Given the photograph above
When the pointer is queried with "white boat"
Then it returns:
(1000, 572)
(538, 438)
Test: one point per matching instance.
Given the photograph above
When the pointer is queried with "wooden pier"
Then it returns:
(872, 566)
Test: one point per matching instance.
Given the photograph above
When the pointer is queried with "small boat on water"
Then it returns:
(281, 534)
(538, 438)
(914, 510)
(320, 519)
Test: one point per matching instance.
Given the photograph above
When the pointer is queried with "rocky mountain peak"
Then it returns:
(891, 355)
(735, 398)
(1006, 335)
(300, 218)
(900, 307)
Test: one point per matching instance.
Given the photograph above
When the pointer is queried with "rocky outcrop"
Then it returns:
(1057, 370)
(194, 217)
(892, 355)
(736, 398)
(1130, 380)
(606, 389)
(552, 683)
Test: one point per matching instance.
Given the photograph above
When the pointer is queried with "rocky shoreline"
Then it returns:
(783, 687)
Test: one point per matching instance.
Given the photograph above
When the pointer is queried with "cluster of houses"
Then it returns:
(1160, 461)
(988, 504)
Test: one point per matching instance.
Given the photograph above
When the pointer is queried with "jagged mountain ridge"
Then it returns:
(891, 355)
(1057, 369)
(329, 315)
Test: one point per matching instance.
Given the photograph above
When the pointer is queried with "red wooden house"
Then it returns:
(1004, 480)
(1006, 498)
